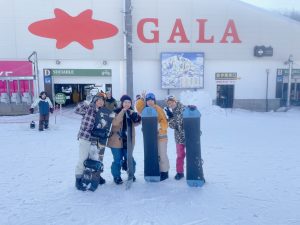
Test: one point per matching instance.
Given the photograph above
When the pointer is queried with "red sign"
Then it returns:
(84, 30)
(66, 29)
(15, 68)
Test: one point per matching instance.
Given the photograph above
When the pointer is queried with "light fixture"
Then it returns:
(57, 62)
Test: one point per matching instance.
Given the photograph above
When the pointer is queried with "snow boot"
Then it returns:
(102, 180)
(178, 176)
(164, 176)
(79, 185)
(118, 180)
(124, 164)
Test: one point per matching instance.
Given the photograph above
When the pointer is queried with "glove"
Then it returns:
(168, 112)
(51, 110)
(31, 110)
(135, 117)
(192, 107)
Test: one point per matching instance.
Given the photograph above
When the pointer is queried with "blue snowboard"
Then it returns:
(149, 128)
(191, 125)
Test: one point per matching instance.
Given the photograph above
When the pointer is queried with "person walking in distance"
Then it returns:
(45, 106)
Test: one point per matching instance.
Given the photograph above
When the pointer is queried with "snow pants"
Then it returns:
(119, 154)
(180, 150)
(84, 148)
(164, 164)
(43, 121)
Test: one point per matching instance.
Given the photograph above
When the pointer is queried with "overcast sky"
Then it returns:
(282, 5)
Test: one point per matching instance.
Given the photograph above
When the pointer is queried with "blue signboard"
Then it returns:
(47, 80)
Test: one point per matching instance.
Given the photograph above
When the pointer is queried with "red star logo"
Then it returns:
(66, 29)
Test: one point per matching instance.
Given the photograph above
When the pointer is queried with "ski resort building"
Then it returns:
(242, 56)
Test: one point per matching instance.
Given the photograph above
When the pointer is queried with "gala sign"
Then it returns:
(84, 30)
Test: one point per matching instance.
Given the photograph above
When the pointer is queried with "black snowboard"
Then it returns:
(130, 166)
(150, 129)
(93, 168)
(103, 124)
(91, 177)
(191, 124)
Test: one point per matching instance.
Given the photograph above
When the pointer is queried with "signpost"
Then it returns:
(60, 98)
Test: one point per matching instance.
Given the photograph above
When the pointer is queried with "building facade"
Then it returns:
(229, 49)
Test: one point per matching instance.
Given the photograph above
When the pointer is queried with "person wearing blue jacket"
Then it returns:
(45, 106)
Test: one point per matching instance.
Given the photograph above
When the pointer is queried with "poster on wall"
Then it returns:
(182, 70)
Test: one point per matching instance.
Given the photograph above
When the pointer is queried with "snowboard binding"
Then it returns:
(93, 165)
(91, 174)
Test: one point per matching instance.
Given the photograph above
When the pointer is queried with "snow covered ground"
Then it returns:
(251, 166)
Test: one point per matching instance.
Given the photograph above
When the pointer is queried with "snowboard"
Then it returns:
(93, 168)
(191, 125)
(103, 124)
(130, 166)
(150, 129)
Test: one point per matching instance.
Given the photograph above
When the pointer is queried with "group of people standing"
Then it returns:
(123, 116)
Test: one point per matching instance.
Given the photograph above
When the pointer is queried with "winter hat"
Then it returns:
(150, 96)
(138, 97)
(125, 97)
(171, 98)
(97, 97)
(102, 94)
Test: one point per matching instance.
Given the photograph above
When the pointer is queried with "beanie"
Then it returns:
(150, 96)
(125, 97)
(171, 98)
(102, 94)
(97, 97)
